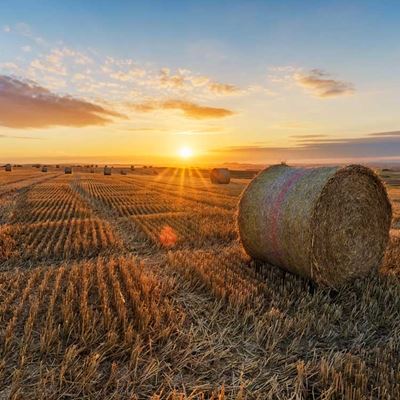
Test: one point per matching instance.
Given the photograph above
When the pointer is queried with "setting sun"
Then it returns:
(186, 152)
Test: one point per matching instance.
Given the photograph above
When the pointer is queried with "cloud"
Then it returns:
(320, 84)
(20, 137)
(131, 75)
(24, 104)
(55, 61)
(49, 66)
(180, 80)
(167, 80)
(222, 88)
(390, 134)
(189, 109)
(308, 136)
(11, 67)
(381, 145)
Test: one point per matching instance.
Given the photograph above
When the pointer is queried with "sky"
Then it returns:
(229, 81)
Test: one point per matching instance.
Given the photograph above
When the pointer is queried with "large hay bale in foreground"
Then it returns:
(220, 175)
(68, 170)
(107, 170)
(328, 224)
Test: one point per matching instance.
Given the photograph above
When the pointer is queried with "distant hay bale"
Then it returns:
(68, 170)
(92, 170)
(107, 170)
(328, 224)
(132, 167)
(8, 168)
(44, 169)
(123, 172)
(220, 175)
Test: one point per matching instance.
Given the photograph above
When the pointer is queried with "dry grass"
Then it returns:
(84, 329)
(134, 287)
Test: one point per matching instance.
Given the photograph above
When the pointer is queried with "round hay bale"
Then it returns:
(220, 175)
(68, 170)
(8, 168)
(328, 224)
(44, 169)
(107, 170)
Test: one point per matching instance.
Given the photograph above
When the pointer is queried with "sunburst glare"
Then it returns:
(185, 152)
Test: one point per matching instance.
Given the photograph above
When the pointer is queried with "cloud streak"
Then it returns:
(180, 80)
(320, 84)
(379, 145)
(19, 137)
(24, 104)
(189, 109)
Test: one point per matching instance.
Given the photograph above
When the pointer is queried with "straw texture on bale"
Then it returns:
(220, 175)
(328, 224)
(8, 168)
(68, 170)
(107, 171)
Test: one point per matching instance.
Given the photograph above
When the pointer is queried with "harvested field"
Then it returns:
(136, 286)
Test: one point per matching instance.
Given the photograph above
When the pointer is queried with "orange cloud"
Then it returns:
(189, 109)
(28, 105)
(319, 83)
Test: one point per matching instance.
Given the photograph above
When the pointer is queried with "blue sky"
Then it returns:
(279, 69)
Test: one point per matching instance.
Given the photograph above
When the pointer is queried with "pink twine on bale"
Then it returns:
(276, 212)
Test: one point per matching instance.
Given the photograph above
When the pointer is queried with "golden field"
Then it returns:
(136, 286)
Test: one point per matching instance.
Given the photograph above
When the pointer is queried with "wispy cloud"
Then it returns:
(189, 109)
(55, 61)
(222, 88)
(179, 81)
(308, 136)
(20, 137)
(25, 104)
(321, 84)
